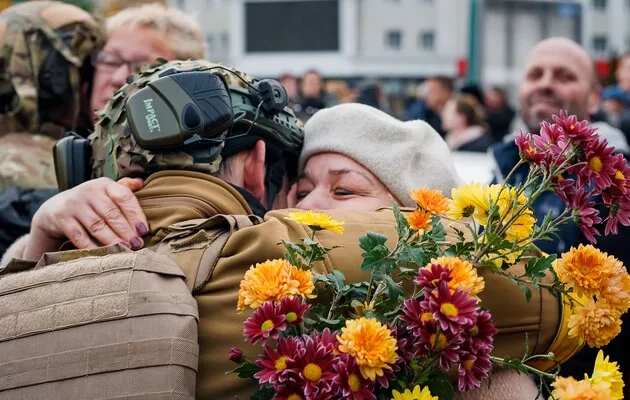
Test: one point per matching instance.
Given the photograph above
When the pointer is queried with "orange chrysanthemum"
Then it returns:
(596, 324)
(371, 343)
(616, 291)
(273, 280)
(420, 220)
(463, 275)
(585, 269)
(429, 200)
(570, 389)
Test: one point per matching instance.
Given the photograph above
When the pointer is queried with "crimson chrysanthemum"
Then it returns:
(585, 214)
(430, 276)
(552, 142)
(265, 322)
(352, 385)
(416, 314)
(579, 132)
(290, 391)
(293, 308)
(313, 370)
(328, 339)
(598, 166)
(472, 370)
(454, 312)
(443, 343)
(481, 333)
(407, 348)
(622, 172)
(273, 361)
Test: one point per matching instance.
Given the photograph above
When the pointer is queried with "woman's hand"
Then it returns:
(99, 212)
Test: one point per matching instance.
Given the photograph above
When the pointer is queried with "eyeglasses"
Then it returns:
(109, 61)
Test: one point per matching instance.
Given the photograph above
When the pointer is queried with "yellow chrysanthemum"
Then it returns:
(585, 269)
(273, 280)
(429, 200)
(416, 394)
(616, 291)
(371, 343)
(468, 201)
(420, 220)
(596, 324)
(570, 389)
(508, 206)
(463, 274)
(606, 374)
(316, 220)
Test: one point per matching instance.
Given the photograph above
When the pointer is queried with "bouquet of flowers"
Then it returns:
(417, 328)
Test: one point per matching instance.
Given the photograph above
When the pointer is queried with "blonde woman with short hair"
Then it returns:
(137, 36)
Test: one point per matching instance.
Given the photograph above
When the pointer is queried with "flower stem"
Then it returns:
(522, 366)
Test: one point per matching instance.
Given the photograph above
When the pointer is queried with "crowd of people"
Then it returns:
(323, 147)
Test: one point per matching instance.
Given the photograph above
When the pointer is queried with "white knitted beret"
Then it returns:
(403, 155)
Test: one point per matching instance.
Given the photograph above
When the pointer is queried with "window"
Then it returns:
(225, 42)
(600, 4)
(426, 41)
(600, 43)
(393, 40)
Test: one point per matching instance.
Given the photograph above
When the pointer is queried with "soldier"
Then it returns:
(45, 78)
(208, 159)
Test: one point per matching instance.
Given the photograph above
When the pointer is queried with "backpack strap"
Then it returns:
(196, 245)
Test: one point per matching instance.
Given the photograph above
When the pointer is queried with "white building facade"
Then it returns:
(399, 39)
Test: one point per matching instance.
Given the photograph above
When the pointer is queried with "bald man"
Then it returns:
(560, 75)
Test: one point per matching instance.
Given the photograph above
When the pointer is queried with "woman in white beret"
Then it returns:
(355, 157)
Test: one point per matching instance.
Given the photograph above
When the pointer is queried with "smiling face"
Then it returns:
(334, 181)
(126, 50)
(559, 76)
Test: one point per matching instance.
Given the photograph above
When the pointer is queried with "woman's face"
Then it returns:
(451, 120)
(334, 181)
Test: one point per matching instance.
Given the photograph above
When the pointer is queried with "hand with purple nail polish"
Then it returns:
(100, 212)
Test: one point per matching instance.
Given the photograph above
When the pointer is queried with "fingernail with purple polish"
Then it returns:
(141, 229)
(136, 243)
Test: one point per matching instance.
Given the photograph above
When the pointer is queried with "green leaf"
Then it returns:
(410, 254)
(264, 393)
(394, 291)
(247, 370)
(402, 223)
(376, 252)
(440, 386)
(536, 267)
(294, 254)
(527, 291)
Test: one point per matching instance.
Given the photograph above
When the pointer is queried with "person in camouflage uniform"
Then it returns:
(45, 73)
(45, 78)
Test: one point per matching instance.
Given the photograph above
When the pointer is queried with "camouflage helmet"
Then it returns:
(117, 154)
(45, 47)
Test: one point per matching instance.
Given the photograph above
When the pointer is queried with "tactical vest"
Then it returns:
(110, 322)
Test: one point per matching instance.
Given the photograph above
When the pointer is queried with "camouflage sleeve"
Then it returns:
(26, 160)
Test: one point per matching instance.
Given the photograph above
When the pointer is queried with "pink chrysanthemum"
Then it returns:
(622, 173)
(407, 346)
(455, 311)
(352, 385)
(293, 308)
(273, 362)
(564, 188)
(585, 214)
(551, 141)
(416, 314)
(618, 213)
(482, 332)
(599, 165)
(579, 132)
(313, 370)
(472, 370)
(444, 344)
(265, 322)
(290, 391)
(428, 278)
(527, 149)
